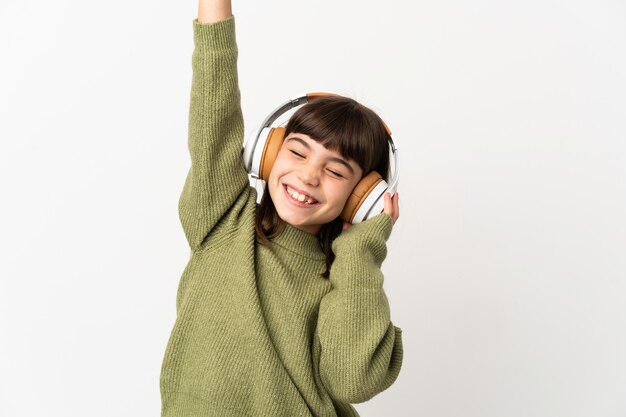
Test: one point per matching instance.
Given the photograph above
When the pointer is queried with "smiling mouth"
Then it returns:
(299, 199)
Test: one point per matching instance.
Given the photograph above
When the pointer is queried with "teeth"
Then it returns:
(300, 197)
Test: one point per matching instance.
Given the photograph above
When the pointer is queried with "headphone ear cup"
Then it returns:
(359, 195)
(272, 146)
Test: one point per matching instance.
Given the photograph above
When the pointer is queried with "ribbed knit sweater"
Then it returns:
(258, 331)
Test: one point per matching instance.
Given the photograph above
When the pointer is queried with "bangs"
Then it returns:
(343, 125)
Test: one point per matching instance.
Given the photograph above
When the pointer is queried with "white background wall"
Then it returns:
(506, 269)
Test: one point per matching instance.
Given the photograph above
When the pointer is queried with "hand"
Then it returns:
(391, 208)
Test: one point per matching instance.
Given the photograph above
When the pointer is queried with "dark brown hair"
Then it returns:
(340, 124)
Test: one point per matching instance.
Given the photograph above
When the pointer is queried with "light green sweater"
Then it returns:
(258, 331)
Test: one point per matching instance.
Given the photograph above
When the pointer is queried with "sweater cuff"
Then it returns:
(373, 233)
(218, 35)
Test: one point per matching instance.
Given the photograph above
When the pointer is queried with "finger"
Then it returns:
(396, 205)
(392, 201)
(388, 205)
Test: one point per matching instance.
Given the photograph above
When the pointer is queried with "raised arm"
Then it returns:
(217, 177)
(359, 351)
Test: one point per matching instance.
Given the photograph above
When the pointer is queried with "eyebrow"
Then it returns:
(332, 158)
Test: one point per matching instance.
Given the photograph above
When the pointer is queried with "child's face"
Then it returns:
(305, 166)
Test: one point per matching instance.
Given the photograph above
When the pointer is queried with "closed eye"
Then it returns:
(296, 153)
(336, 173)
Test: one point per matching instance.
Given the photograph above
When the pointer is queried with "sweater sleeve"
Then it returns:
(361, 350)
(217, 176)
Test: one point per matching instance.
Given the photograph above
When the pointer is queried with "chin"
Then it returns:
(295, 220)
(292, 219)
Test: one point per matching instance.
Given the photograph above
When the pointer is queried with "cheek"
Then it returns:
(281, 163)
(342, 194)
(277, 168)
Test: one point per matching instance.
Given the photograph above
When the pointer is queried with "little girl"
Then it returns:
(280, 311)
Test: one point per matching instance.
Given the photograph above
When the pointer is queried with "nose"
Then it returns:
(309, 174)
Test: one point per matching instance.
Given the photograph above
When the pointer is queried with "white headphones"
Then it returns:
(262, 146)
